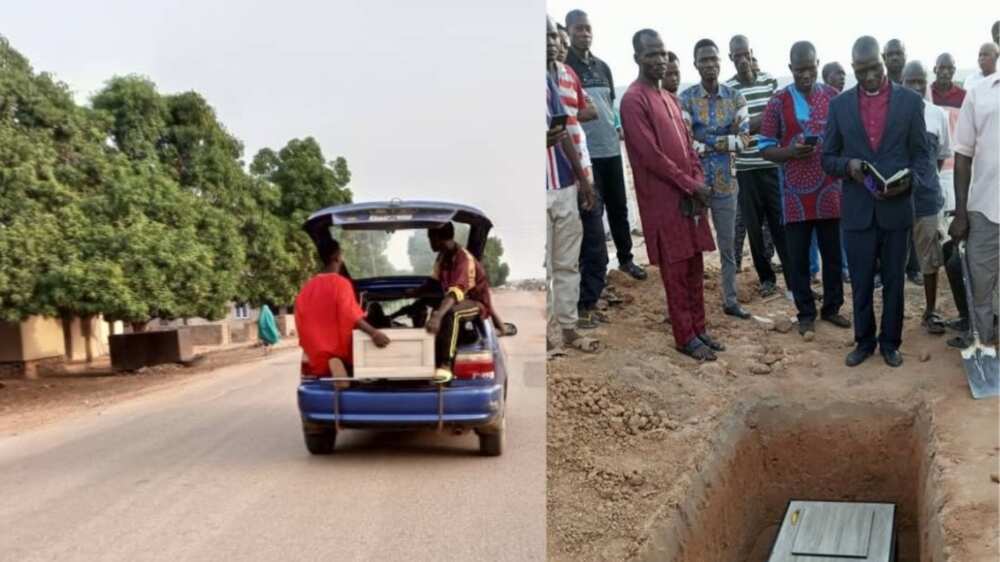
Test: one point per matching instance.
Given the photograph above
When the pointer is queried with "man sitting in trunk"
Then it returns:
(327, 312)
(462, 279)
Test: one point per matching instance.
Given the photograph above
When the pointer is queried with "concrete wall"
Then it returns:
(31, 348)
(85, 338)
(243, 331)
(209, 334)
(286, 324)
(41, 338)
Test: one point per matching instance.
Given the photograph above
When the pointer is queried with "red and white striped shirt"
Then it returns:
(573, 99)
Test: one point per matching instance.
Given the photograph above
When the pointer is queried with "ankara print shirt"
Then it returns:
(807, 193)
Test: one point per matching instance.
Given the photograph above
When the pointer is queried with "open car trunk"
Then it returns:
(401, 215)
(372, 237)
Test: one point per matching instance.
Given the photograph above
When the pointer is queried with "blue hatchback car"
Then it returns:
(475, 397)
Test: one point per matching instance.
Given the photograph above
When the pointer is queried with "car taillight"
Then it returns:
(473, 366)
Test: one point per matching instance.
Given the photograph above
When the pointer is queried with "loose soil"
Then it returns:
(652, 456)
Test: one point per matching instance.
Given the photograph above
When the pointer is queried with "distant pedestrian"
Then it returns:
(267, 329)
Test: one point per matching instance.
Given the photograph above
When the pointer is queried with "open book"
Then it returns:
(876, 182)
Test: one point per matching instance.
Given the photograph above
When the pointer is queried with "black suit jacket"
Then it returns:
(903, 145)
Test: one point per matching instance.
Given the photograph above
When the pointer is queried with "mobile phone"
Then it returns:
(811, 140)
(558, 122)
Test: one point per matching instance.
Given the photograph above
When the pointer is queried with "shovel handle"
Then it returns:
(967, 281)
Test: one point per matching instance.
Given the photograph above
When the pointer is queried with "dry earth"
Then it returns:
(635, 430)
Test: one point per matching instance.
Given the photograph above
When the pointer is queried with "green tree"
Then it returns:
(287, 186)
(496, 270)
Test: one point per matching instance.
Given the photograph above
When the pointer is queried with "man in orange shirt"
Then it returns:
(327, 312)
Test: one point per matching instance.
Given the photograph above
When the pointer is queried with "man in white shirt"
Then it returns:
(977, 196)
(988, 54)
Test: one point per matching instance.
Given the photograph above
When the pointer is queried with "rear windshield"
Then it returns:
(380, 253)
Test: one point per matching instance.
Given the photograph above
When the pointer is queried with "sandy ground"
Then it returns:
(631, 428)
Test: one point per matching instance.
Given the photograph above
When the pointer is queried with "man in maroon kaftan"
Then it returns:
(668, 176)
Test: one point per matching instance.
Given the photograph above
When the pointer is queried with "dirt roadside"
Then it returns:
(26, 404)
(633, 429)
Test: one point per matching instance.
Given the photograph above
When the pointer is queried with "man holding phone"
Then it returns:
(790, 133)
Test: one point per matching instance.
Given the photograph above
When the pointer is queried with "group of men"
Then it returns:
(794, 168)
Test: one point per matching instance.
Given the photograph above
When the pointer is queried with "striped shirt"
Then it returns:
(757, 96)
(573, 99)
(558, 170)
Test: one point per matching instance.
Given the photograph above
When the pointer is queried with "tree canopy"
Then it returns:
(139, 205)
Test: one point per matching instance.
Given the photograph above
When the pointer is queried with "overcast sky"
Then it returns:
(432, 100)
(772, 26)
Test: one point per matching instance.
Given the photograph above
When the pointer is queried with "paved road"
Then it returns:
(216, 470)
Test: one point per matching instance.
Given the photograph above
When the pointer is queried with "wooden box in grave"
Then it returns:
(825, 531)
(409, 355)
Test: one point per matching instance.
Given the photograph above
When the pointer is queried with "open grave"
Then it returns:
(770, 452)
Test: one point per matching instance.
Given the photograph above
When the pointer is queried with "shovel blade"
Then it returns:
(982, 369)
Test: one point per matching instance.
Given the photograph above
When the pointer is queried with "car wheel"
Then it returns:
(321, 443)
(492, 444)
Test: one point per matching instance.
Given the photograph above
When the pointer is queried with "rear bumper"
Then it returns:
(462, 406)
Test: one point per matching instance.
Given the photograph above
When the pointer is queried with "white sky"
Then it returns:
(430, 100)
(926, 28)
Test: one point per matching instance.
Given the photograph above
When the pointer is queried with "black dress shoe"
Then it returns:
(838, 320)
(711, 343)
(893, 358)
(634, 270)
(737, 311)
(856, 357)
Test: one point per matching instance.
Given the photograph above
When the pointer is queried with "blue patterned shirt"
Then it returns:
(718, 121)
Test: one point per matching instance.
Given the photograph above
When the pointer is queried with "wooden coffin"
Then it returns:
(410, 355)
(823, 531)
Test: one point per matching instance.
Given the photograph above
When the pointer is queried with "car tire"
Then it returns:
(321, 443)
(492, 444)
